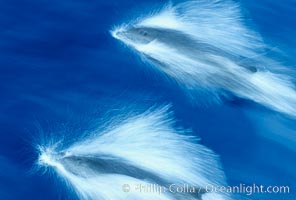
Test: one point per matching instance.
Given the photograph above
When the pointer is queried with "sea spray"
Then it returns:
(144, 149)
(207, 46)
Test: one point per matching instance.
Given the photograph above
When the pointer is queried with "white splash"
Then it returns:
(141, 150)
(218, 52)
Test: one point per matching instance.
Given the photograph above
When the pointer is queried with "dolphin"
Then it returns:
(142, 150)
(205, 46)
(178, 40)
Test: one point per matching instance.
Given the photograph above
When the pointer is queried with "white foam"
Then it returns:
(148, 142)
(220, 25)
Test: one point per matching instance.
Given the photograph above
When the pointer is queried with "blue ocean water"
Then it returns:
(60, 70)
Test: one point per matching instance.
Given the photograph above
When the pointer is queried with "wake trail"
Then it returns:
(206, 45)
(140, 151)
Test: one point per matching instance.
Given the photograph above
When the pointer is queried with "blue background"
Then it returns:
(60, 69)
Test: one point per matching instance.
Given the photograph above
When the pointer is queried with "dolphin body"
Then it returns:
(193, 49)
(205, 45)
(86, 167)
(175, 39)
